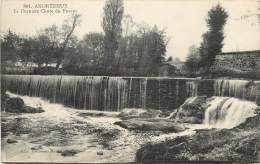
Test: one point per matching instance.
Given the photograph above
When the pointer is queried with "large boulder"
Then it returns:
(16, 105)
(192, 111)
(156, 124)
(239, 143)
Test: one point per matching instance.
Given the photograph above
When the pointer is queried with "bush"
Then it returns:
(48, 71)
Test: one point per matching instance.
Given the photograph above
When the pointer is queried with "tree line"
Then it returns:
(123, 48)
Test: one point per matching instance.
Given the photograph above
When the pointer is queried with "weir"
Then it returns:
(115, 93)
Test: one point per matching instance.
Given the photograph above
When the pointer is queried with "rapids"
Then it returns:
(225, 112)
(62, 128)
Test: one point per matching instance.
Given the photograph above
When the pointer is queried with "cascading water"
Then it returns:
(226, 112)
(243, 89)
(115, 93)
(192, 88)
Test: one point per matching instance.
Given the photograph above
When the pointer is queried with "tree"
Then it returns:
(42, 50)
(47, 45)
(111, 23)
(192, 62)
(93, 46)
(26, 51)
(68, 28)
(9, 47)
(213, 39)
(151, 51)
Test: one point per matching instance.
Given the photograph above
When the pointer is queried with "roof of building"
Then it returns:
(240, 52)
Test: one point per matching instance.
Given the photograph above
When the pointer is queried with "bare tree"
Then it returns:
(67, 29)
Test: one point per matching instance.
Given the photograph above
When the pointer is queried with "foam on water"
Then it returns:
(226, 112)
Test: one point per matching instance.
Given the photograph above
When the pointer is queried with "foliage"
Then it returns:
(213, 39)
(124, 49)
(87, 53)
(111, 23)
(9, 47)
(192, 62)
(142, 53)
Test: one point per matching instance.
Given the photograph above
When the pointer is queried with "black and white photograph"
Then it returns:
(130, 81)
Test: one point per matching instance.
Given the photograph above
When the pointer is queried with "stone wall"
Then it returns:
(244, 61)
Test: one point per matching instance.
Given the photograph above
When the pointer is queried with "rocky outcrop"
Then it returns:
(16, 105)
(240, 143)
(192, 111)
(129, 113)
(156, 124)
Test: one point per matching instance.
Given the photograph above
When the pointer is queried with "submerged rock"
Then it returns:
(71, 152)
(85, 115)
(11, 141)
(28, 109)
(163, 125)
(38, 147)
(129, 113)
(100, 153)
(192, 111)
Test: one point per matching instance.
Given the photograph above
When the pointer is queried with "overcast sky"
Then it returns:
(184, 21)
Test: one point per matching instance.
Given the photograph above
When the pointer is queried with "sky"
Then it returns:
(183, 21)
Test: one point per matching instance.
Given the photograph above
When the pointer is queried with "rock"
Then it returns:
(14, 105)
(239, 143)
(192, 111)
(4, 98)
(85, 115)
(163, 125)
(11, 141)
(129, 113)
(71, 152)
(38, 147)
(165, 114)
(28, 109)
(100, 153)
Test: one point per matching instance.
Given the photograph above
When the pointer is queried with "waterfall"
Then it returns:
(115, 93)
(243, 89)
(192, 88)
(226, 112)
(87, 92)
